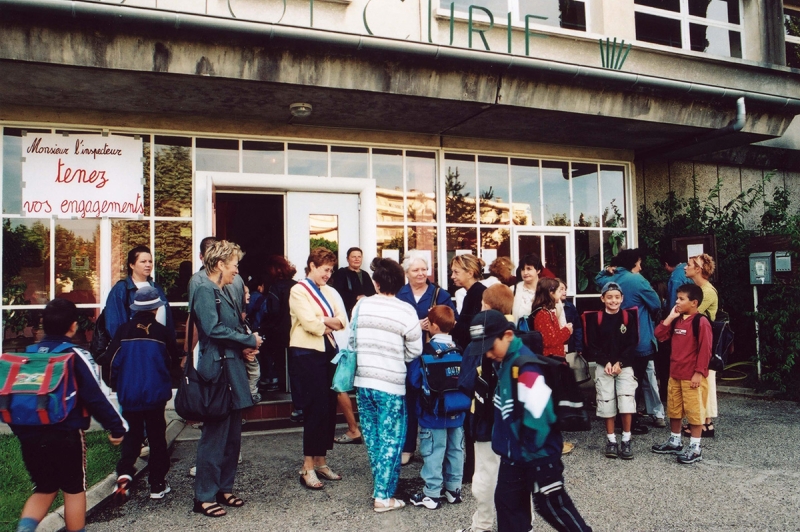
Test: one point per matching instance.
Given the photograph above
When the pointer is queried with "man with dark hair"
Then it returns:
(352, 282)
(625, 270)
(677, 276)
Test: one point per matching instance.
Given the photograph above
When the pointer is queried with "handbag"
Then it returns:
(199, 399)
(345, 361)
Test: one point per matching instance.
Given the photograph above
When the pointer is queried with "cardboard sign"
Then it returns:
(82, 176)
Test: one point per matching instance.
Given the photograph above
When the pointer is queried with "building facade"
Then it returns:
(498, 128)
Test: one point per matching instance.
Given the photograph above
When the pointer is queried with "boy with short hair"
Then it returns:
(141, 354)
(498, 297)
(612, 342)
(55, 455)
(524, 434)
(441, 433)
(687, 390)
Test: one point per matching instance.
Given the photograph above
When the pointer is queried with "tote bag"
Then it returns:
(345, 361)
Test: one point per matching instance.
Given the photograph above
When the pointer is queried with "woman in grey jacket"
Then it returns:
(224, 343)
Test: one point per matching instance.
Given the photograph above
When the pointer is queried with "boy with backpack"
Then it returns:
(611, 339)
(141, 354)
(55, 453)
(525, 433)
(687, 390)
(441, 409)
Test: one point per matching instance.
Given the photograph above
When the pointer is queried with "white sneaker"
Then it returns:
(158, 492)
(193, 471)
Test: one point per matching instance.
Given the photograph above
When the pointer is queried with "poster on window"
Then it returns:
(82, 176)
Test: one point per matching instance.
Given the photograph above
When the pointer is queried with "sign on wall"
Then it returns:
(84, 176)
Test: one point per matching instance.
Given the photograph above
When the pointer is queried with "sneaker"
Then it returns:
(611, 450)
(159, 490)
(667, 448)
(122, 490)
(453, 497)
(420, 499)
(193, 471)
(256, 398)
(691, 455)
(297, 416)
(659, 422)
(625, 451)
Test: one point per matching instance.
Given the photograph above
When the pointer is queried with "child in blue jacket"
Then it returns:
(141, 354)
(441, 435)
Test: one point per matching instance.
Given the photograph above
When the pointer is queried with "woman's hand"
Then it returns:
(334, 324)
(259, 340)
(249, 354)
(424, 324)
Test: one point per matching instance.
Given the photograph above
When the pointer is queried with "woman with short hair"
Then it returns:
(467, 271)
(316, 313)
(225, 344)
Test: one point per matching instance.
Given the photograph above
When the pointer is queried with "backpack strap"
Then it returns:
(435, 296)
(625, 317)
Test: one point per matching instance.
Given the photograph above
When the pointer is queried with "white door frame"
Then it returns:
(206, 183)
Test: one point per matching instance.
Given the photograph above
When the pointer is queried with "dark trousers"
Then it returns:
(218, 457)
(412, 423)
(516, 482)
(315, 373)
(295, 381)
(156, 425)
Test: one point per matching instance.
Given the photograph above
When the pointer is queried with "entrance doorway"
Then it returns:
(553, 249)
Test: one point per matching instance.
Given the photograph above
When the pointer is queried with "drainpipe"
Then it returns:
(698, 144)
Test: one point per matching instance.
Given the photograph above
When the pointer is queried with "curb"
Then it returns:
(101, 492)
(747, 392)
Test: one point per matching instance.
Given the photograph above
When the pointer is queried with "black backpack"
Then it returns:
(722, 339)
(567, 396)
(440, 370)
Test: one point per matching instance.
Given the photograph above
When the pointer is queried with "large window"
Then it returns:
(710, 26)
(791, 23)
(567, 14)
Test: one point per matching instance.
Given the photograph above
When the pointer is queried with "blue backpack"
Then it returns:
(38, 387)
(440, 370)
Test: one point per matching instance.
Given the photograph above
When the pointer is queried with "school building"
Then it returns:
(497, 127)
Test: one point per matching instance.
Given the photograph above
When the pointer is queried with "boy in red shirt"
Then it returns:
(687, 389)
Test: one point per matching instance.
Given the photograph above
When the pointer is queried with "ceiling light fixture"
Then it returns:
(300, 110)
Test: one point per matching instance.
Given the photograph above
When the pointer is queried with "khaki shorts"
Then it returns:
(615, 392)
(685, 401)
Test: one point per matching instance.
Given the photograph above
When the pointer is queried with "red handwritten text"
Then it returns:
(80, 175)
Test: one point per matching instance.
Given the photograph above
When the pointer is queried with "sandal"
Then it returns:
(708, 431)
(344, 438)
(387, 505)
(212, 510)
(327, 473)
(231, 500)
(308, 479)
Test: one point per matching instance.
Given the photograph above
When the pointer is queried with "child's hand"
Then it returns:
(115, 441)
(616, 369)
(697, 379)
(249, 354)
(609, 370)
(674, 314)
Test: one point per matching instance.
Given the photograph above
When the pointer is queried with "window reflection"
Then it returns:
(77, 257)
(587, 260)
(612, 181)
(460, 188)
(126, 235)
(667, 5)
(26, 264)
(324, 231)
(720, 10)
(391, 238)
(568, 14)
(173, 258)
(12, 168)
(613, 242)
(555, 183)
(262, 157)
(526, 190)
(173, 183)
(717, 41)
(349, 161)
(494, 195)
(555, 255)
(498, 240)
(585, 195)
(421, 186)
(217, 155)
(658, 30)
(308, 159)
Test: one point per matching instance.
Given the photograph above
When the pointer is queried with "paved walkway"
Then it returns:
(749, 480)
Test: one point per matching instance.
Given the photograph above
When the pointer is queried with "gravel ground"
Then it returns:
(749, 479)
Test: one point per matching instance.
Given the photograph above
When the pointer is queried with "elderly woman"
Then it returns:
(388, 335)
(466, 273)
(316, 313)
(225, 344)
(120, 298)
(423, 295)
(530, 267)
(699, 269)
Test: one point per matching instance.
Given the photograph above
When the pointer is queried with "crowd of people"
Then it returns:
(452, 377)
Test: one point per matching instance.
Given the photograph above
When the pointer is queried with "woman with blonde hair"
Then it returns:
(316, 312)
(467, 271)
(225, 344)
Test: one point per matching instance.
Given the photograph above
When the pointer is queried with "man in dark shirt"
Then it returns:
(352, 282)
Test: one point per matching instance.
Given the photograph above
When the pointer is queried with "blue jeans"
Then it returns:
(443, 453)
(645, 371)
(383, 426)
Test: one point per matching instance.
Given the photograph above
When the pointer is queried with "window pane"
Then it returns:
(461, 240)
(497, 7)
(26, 262)
(721, 10)
(587, 260)
(126, 235)
(349, 162)
(323, 231)
(658, 30)
(668, 5)
(555, 183)
(498, 240)
(716, 41)
(460, 188)
(791, 23)
(217, 155)
(493, 177)
(308, 159)
(585, 194)
(173, 258)
(792, 55)
(555, 255)
(612, 180)
(391, 238)
(173, 186)
(12, 168)
(421, 186)
(527, 197)
(77, 260)
(262, 157)
(146, 148)
(613, 242)
(569, 14)
(387, 169)
(421, 237)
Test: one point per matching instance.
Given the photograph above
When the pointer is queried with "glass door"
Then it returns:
(553, 248)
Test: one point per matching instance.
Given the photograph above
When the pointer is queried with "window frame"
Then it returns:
(517, 19)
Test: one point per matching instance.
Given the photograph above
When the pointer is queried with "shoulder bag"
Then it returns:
(345, 360)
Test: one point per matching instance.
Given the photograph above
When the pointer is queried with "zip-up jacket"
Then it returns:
(119, 301)
(141, 354)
